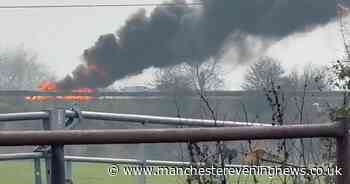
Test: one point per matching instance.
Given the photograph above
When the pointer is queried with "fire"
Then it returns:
(83, 90)
(38, 98)
(92, 67)
(52, 87)
(75, 98)
(47, 87)
(97, 70)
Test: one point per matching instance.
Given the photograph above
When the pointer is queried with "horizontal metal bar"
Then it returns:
(161, 120)
(20, 156)
(171, 135)
(24, 156)
(102, 160)
(129, 118)
(24, 116)
(125, 161)
(135, 162)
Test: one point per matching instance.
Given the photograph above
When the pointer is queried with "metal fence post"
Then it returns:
(141, 157)
(69, 169)
(55, 166)
(57, 121)
(46, 126)
(37, 171)
(343, 154)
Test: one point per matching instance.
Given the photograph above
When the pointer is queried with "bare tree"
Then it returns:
(342, 12)
(175, 79)
(185, 78)
(206, 76)
(197, 79)
(268, 76)
(19, 70)
(340, 79)
(311, 78)
(261, 73)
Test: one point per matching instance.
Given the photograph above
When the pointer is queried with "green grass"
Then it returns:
(20, 172)
(97, 173)
(16, 172)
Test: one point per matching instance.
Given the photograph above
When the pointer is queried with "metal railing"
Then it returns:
(57, 137)
(144, 119)
(36, 157)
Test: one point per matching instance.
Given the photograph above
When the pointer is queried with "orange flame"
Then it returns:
(47, 87)
(95, 69)
(83, 90)
(52, 87)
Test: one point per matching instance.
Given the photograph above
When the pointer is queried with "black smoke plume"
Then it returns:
(184, 33)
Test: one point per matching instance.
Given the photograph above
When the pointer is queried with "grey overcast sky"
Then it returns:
(58, 36)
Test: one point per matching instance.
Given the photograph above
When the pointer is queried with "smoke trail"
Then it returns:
(176, 34)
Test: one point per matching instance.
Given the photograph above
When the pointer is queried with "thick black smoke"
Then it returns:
(176, 34)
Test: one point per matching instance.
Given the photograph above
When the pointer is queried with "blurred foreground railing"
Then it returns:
(36, 157)
(143, 119)
(57, 137)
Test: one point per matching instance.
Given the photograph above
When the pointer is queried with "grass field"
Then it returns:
(21, 172)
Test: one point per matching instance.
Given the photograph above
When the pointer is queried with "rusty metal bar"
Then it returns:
(171, 135)
(343, 154)
(161, 120)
